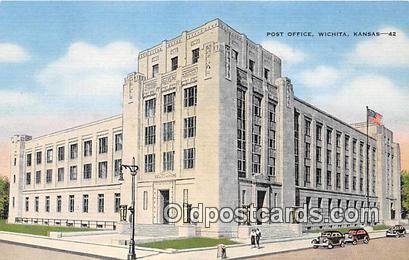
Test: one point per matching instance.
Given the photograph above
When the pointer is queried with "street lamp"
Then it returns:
(133, 170)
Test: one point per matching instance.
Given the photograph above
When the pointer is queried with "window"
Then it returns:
(174, 63)
(318, 177)
(85, 203)
(329, 136)
(87, 171)
(266, 73)
(145, 200)
(102, 170)
(338, 180)
(256, 163)
(118, 142)
(61, 153)
(329, 159)
(49, 155)
(354, 183)
(14, 202)
(257, 106)
(272, 139)
(101, 202)
(73, 173)
(346, 143)
(103, 145)
(271, 166)
(150, 133)
(27, 204)
(307, 150)
(241, 132)
(38, 177)
(73, 151)
(361, 184)
(318, 134)
(307, 128)
(58, 203)
(189, 128)
(271, 112)
(235, 55)
(307, 174)
(150, 107)
(49, 176)
(189, 158)
(28, 178)
(88, 148)
(36, 203)
(251, 66)
(190, 96)
(28, 159)
(71, 203)
(38, 157)
(329, 179)
(168, 161)
(169, 102)
(168, 131)
(155, 70)
(47, 203)
(195, 56)
(338, 160)
(354, 146)
(150, 162)
(117, 166)
(318, 154)
(14, 178)
(117, 202)
(338, 140)
(60, 174)
(346, 181)
(346, 162)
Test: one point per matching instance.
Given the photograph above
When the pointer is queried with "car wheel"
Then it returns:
(342, 244)
(366, 240)
(330, 246)
(354, 242)
(315, 247)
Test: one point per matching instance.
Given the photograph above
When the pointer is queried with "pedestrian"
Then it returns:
(253, 238)
(258, 236)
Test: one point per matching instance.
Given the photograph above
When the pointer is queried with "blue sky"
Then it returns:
(72, 56)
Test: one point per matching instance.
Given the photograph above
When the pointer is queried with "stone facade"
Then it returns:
(209, 119)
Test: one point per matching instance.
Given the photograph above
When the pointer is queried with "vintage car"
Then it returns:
(356, 235)
(396, 231)
(329, 239)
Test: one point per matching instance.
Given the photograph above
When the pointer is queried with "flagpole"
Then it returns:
(367, 160)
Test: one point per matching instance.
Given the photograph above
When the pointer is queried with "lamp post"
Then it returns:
(133, 170)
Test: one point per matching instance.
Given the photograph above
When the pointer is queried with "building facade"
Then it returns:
(209, 119)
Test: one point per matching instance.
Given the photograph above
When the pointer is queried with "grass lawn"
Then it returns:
(39, 230)
(380, 227)
(195, 242)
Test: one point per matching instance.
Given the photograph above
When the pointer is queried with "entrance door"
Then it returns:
(260, 202)
(164, 202)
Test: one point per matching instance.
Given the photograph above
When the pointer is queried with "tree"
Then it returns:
(4, 197)
(405, 192)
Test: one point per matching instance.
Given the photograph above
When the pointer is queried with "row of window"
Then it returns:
(189, 100)
(331, 203)
(169, 160)
(73, 150)
(189, 130)
(175, 62)
(73, 172)
(71, 203)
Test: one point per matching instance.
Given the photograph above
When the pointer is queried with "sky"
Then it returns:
(63, 63)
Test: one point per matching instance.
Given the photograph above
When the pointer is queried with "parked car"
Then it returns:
(329, 239)
(396, 231)
(356, 235)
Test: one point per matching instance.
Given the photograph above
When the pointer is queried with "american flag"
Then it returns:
(374, 117)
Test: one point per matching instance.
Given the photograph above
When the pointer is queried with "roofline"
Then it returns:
(332, 117)
(78, 127)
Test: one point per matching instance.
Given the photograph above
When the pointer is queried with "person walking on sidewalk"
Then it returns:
(258, 236)
(253, 238)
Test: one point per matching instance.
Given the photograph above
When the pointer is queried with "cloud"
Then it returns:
(283, 51)
(376, 91)
(383, 50)
(90, 71)
(320, 76)
(10, 98)
(12, 53)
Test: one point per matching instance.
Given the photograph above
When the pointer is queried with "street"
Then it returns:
(382, 248)
(11, 251)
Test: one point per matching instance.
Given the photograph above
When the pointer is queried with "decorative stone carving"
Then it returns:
(194, 42)
(208, 52)
(189, 72)
(257, 85)
(242, 77)
(174, 51)
(155, 58)
(227, 62)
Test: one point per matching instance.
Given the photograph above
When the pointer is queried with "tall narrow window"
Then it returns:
(266, 73)
(103, 145)
(117, 202)
(85, 203)
(101, 203)
(118, 142)
(169, 161)
(61, 153)
(174, 63)
(241, 132)
(195, 56)
(189, 158)
(73, 173)
(28, 159)
(47, 203)
(60, 174)
(190, 96)
(150, 107)
(168, 131)
(71, 203)
(73, 151)
(88, 148)
(169, 103)
(27, 204)
(38, 177)
(155, 70)
(87, 171)
(38, 157)
(49, 176)
(49, 154)
(251, 66)
(28, 178)
(150, 133)
(102, 170)
(117, 166)
(189, 127)
(36, 203)
(150, 162)
(58, 204)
